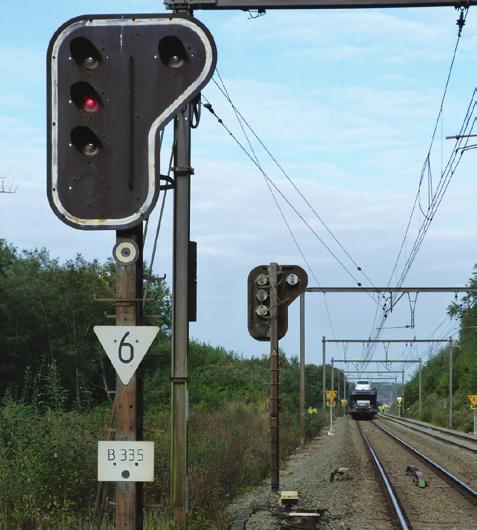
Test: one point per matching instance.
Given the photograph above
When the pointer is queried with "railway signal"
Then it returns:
(114, 82)
(472, 400)
(399, 401)
(271, 289)
(291, 282)
(331, 398)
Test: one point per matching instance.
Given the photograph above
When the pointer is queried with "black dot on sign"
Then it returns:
(114, 464)
(125, 252)
(125, 474)
(136, 464)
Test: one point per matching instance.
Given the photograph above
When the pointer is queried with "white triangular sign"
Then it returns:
(126, 346)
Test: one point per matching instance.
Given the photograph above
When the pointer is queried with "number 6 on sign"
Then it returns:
(126, 346)
(123, 345)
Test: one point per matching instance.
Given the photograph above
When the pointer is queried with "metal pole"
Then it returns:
(450, 382)
(332, 374)
(323, 340)
(128, 401)
(331, 432)
(395, 396)
(180, 321)
(402, 392)
(475, 421)
(274, 367)
(420, 390)
(302, 370)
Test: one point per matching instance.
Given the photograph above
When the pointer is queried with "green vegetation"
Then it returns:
(54, 404)
(435, 373)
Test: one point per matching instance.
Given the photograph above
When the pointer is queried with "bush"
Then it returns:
(47, 466)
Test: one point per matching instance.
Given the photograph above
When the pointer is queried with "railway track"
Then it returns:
(448, 436)
(446, 502)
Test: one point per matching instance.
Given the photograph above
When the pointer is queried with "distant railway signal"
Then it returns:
(331, 397)
(472, 400)
(291, 282)
(113, 83)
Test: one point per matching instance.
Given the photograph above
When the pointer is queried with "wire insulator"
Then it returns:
(461, 20)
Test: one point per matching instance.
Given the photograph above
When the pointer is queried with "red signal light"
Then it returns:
(90, 105)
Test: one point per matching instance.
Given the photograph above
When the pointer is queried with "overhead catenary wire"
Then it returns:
(282, 213)
(222, 88)
(158, 227)
(449, 171)
(427, 158)
(209, 107)
(435, 194)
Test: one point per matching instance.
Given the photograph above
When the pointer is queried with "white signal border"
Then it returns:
(156, 124)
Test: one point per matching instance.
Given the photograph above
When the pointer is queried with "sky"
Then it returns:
(346, 101)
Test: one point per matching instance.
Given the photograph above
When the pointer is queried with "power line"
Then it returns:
(158, 226)
(241, 120)
(209, 107)
(437, 195)
(239, 115)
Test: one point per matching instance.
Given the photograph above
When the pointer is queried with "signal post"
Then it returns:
(271, 289)
(114, 82)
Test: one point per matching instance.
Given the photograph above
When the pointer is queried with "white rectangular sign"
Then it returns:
(125, 461)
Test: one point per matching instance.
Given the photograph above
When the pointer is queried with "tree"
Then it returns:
(47, 313)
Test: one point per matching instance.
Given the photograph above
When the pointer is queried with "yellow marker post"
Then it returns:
(473, 405)
(399, 402)
(331, 402)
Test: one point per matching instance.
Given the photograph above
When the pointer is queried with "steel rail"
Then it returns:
(422, 429)
(388, 487)
(453, 480)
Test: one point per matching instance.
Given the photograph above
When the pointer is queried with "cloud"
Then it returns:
(380, 35)
(346, 102)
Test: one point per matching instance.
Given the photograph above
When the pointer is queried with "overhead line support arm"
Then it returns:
(406, 341)
(391, 289)
(307, 4)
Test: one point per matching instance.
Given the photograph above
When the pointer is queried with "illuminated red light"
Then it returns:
(90, 105)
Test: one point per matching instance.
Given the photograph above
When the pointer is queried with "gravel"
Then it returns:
(355, 502)
(456, 460)
(436, 506)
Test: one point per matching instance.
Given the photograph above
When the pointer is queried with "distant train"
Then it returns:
(362, 402)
